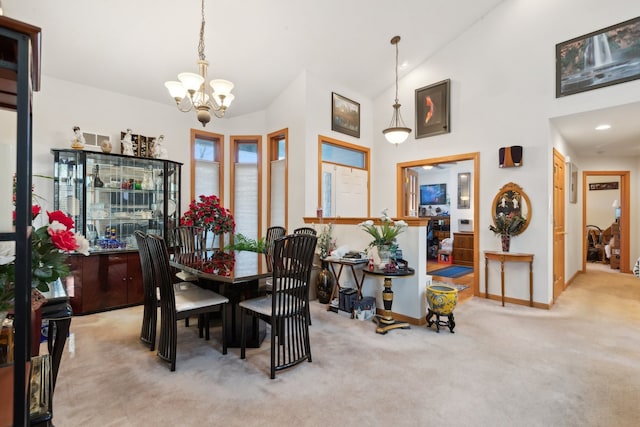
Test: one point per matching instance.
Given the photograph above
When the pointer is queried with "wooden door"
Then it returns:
(558, 224)
(411, 185)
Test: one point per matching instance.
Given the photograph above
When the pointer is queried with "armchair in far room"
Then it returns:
(595, 246)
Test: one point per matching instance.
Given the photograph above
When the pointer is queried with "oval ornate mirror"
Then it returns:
(511, 200)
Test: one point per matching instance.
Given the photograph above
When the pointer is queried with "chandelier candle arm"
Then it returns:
(397, 132)
(192, 93)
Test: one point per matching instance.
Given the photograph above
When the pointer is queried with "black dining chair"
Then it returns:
(178, 301)
(274, 233)
(150, 292)
(186, 239)
(305, 230)
(286, 308)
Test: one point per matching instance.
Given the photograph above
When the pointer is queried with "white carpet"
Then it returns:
(574, 365)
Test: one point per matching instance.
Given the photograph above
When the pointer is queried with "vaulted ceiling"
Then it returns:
(133, 47)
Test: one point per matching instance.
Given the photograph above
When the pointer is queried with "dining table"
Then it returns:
(234, 274)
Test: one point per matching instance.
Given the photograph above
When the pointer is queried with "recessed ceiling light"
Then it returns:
(603, 127)
(404, 65)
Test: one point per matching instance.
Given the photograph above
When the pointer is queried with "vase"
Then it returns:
(506, 240)
(384, 252)
(442, 299)
(324, 284)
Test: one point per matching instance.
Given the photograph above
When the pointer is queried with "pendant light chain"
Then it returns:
(396, 73)
(397, 132)
(201, 42)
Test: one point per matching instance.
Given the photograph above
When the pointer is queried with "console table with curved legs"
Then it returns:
(504, 257)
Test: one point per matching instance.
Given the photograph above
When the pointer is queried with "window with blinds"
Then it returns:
(246, 184)
(344, 179)
(277, 179)
(206, 168)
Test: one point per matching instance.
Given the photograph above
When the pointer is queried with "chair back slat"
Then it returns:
(162, 271)
(273, 233)
(305, 230)
(189, 239)
(150, 299)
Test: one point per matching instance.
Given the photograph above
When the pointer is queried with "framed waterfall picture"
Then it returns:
(432, 109)
(345, 115)
(602, 58)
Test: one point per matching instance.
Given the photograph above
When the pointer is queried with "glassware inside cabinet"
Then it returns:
(68, 186)
(133, 196)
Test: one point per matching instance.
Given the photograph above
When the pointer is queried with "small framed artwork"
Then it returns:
(432, 109)
(573, 183)
(93, 141)
(602, 58)
(345, 115)
(603, 186)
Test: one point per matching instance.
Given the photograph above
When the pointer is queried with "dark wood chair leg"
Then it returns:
(224, 333)
(243, 334)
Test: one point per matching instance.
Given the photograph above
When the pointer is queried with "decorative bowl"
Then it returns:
(442, 299)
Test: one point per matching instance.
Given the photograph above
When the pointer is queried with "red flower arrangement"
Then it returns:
(220, 263)
(209, 214)
(50, 246)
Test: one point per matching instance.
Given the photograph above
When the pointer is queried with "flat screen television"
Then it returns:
(433, 194)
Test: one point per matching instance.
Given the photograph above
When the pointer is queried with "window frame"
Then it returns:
(272, 154)
(217, 139)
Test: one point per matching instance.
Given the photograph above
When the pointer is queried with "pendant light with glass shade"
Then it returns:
(192, 93)
(397, 132)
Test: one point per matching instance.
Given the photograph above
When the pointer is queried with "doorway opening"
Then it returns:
(606, 212)
(457, 177)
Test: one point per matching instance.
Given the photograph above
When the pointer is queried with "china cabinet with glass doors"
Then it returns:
(110, 196)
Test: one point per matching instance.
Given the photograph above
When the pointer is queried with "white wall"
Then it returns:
(502, 94)
(599, 202)
(318, 121)
(288, 110)
(60, 105)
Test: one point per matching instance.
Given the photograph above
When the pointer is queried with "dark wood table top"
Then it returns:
(228, 267)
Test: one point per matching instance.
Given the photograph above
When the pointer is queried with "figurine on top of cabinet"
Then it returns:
(159, 151)
(77, 143)
(127, 144)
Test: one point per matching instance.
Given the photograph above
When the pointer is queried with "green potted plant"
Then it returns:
(384, 236)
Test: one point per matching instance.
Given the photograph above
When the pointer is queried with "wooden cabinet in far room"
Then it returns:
(463, 248)
(105, 281)
(615, 246)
